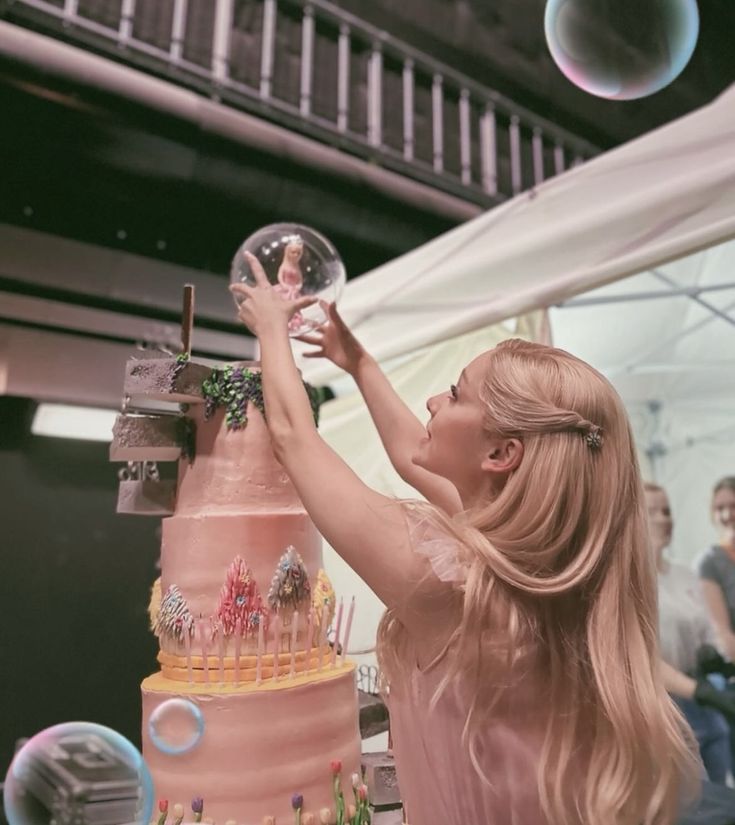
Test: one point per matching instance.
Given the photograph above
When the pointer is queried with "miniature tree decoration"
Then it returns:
(174, 618)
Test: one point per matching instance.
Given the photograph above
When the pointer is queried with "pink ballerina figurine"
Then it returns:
(291, 279)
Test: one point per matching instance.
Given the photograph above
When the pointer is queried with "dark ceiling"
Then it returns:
(94, 168)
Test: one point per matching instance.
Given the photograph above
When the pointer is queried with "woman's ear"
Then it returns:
(503, 456)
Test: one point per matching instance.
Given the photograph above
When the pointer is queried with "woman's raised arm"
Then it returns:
(399, 429)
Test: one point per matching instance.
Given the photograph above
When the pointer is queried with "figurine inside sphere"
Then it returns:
(298, 261)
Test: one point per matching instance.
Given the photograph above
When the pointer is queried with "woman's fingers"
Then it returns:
(335, 317)
(310, 338)
(241, 289)
(305, 301)
(261, 279)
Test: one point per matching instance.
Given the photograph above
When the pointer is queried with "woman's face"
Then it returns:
(723, 512)
(456, 441)
(660, 523)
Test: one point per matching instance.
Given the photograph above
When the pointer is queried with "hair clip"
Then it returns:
(593, 437)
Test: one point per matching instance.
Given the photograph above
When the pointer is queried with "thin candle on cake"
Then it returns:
(238, 648)
(203, 643)
(187, 643)
(322, 641)
(294, 636)
(309, 640)
(259, 653)
(348, 628)
(221, 653)
(337, 628)
(276, 644)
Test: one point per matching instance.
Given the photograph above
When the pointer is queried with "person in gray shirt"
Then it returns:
(717, 567)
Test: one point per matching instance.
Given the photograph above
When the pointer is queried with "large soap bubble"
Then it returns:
(621, 49)
(81, 773)
(298, 261)
(176, 726)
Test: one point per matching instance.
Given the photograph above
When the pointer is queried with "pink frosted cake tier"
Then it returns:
(233, 469)
(259, 746)
(197, 550)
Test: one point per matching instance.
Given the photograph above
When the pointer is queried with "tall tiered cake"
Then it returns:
(264, 710)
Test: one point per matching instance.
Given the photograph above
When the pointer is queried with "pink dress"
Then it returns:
(289, 288)
(438, 783)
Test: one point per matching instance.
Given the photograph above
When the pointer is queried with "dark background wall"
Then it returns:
(74, 587)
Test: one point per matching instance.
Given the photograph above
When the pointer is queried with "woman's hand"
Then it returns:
(263, 310)
(335, 341)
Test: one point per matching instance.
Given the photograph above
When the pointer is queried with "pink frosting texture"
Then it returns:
(260, 745)
(260, 748)
(233, 469)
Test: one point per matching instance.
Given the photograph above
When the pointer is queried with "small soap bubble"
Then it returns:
(298, 261)
(621, 49)
(70, 772)
(176, 726)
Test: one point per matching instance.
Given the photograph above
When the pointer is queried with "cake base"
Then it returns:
(261, 744)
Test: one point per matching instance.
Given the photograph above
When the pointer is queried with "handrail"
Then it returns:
(477, 144)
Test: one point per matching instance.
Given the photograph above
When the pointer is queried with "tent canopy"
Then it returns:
(654, 200)
(660, 209)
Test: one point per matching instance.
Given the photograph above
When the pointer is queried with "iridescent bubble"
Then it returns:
(176, 726)
(621, 49)
(78, 772)
(298, 261)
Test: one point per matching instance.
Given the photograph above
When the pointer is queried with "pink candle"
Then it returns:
(309, 639)
(203, 643)
(259, 653)
(276, 645)
(221, 651)
(348, 627)
(187, 641)
(238, 648)
(294, 635)
(337, 629)
(322, 639)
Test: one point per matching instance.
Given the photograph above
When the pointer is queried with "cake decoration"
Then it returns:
(339, 798)
(338, 627)
(174, 617)
(197, 805)
(178, 812)
(233, 387)
(240, 602)
(163, 809)
(180, 362)
(323, 602)
(297, 803)
(205, 652)
(348, 628)
(294, 637)
(154, 605)
(290, 584)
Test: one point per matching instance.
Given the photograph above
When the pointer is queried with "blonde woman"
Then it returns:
(687, 641)
(520, 636)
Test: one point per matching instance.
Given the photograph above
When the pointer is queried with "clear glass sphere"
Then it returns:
(298, 261)
(78, 772)
(621, 49)
(176, 726)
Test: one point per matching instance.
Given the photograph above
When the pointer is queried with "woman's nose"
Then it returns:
(431, 404)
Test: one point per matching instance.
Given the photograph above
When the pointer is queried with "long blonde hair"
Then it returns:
(558, 563)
